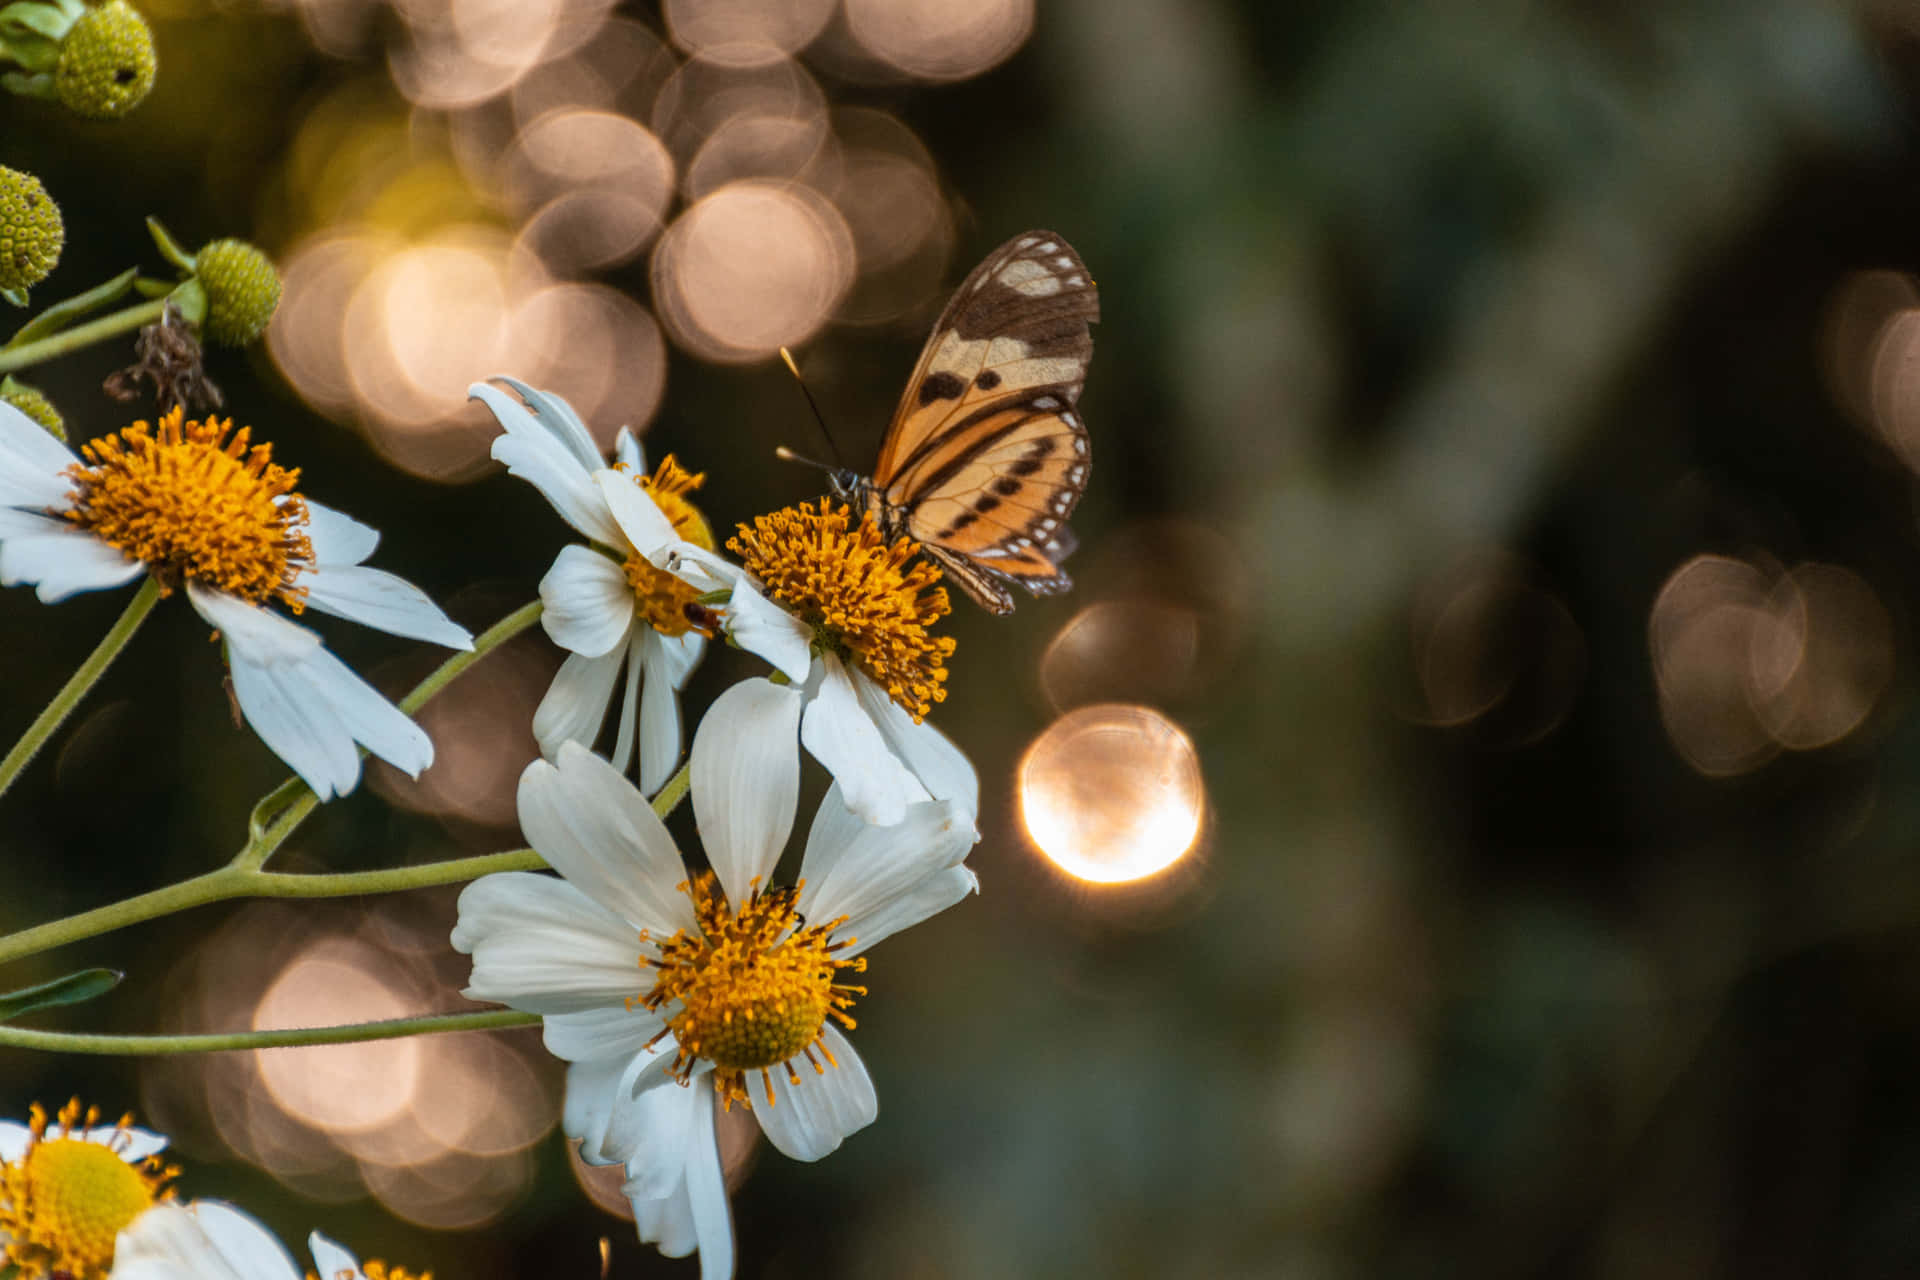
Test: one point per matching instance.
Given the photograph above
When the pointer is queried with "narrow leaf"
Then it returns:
(75, 988)
(61, 314)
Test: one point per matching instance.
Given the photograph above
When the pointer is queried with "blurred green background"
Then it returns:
(1504, 477)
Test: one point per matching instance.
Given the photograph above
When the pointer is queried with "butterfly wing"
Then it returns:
(986, 456)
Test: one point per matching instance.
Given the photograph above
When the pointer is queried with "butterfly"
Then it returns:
(986, 456)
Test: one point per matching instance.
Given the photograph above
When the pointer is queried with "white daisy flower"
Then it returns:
(67, 1189)
(212, 1240)
(841, 612)
(607, 604)
(194, 508)
(743, 998)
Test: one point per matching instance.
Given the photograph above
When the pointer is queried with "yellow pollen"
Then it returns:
(374, 1269)
(755, 988)
(196, 507)
(857, 594)
(659, 597)
(67, 1198)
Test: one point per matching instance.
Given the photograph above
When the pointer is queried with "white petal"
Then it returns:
(588, 605)
(707, 1189)
(297, 724)
(593, 828)
(337, 537)
(543, 459)
(557, 416)
(540, 945)
(627, 452)
(941, 767)
(659, 1125)
(589, 1105)
(696, 566)
(63, 560)
(243, 1241)
(331, 1260)
(667, 1223)
(810, 1119)
(14, 1136)
(646, 526)
(576, 703)
(381, 600)
(683, 654)
(928, 897)
(612, 1031)
(265, 638)
(866, 874)
(840, 735)
(659, 713)
(746, 782)
(32, 463)
(630, 699)
(764, 629)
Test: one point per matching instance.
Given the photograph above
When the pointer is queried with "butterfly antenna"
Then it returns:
(818, 417)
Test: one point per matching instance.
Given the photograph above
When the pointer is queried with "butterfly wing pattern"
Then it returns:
(986, 456)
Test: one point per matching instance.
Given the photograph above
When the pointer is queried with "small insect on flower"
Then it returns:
(200, 507)
(648, 975)
(69, 1187)
(986, 456)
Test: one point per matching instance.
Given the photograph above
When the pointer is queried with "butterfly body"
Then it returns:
(986, 456)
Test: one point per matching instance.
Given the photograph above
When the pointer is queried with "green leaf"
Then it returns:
(47, 20)
(75, 988)
(169, 247)
(18, 297)
(61, 314)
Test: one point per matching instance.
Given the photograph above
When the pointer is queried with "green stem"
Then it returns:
(81, 335)
(425, 875)
(81, 681)
(392, 1029)
(676, 789)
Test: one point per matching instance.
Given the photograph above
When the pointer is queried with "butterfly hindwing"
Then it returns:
(987, 456)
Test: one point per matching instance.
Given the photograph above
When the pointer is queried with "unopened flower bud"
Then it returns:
(31, 402)
(242, 290)
(106, 62)
(31, 232)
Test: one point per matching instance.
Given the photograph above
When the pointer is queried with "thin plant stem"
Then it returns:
(79, 683)
(280, 813)
(214, 1042)
(125, 321)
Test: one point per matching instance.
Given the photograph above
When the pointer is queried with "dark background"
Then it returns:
(1437, 339)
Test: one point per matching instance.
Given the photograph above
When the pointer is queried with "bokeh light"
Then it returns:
(1112, 793)
(745, 33)
(752, 268)
(940, 39)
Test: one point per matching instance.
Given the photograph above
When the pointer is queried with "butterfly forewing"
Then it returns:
(986, 456)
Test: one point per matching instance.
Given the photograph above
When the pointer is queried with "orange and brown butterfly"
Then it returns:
(986, 456)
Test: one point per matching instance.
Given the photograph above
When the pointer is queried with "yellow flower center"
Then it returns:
(196, 506)
(755, 988)
(659, 597)
(67, 1198)
(374, 1269)
(857, 594)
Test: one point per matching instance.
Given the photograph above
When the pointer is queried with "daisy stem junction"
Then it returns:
(348, 1033)
(80, 683)
(28, 354)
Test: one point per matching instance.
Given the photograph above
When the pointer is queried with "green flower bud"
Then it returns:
(106, 62)
(31, 402)
(242, 291)
(31, 232)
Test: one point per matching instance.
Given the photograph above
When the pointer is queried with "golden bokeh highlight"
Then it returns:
(1749, 660)
(438, 1129)
(745, 33)
(1112, 793)
(752, 268)
(940, 40)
